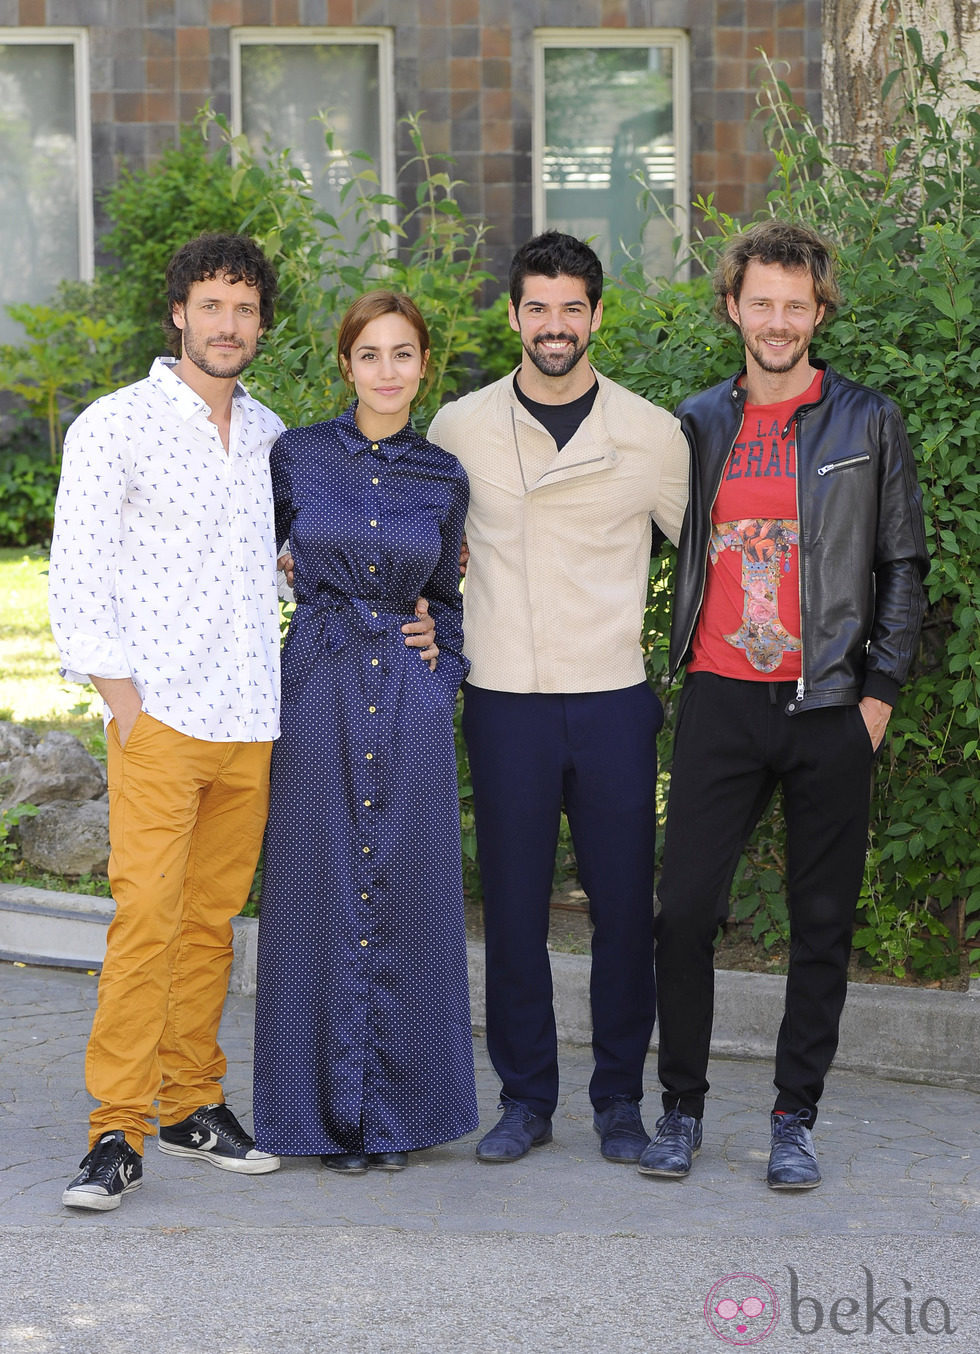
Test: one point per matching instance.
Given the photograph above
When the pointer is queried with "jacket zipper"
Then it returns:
(839, 465)
(798, 416)
(572, 465)
(801, 683)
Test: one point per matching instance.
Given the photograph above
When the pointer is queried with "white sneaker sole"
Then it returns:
(101, 1203)
(257, 1166)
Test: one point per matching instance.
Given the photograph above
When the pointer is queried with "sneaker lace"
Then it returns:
(104, 1160)
(221, 1120)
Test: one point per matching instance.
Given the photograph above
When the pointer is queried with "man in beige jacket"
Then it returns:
(566, 470)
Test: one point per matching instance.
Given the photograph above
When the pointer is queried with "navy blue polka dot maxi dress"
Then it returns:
(362, 1022)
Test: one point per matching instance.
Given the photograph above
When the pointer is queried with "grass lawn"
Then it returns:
(32, 691)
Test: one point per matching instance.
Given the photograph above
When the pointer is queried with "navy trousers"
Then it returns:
(733, 745)
(594, 753)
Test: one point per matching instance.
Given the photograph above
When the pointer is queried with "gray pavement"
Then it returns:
(560, 1251)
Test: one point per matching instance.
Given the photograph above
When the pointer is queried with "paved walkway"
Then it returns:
(561, 1251)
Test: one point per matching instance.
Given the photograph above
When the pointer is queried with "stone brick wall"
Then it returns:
(468, 64)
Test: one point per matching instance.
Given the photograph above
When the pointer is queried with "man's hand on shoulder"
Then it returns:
(285, 565)
(421, 634)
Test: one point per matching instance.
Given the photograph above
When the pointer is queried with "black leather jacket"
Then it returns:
(861, 537)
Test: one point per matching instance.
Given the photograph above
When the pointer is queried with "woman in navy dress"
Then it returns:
(363, 1048)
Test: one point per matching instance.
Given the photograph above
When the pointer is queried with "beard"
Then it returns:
(786, 360)
(555, 364)
(224, 365)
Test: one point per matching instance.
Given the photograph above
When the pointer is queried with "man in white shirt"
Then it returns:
(566, 468)
(163, 594)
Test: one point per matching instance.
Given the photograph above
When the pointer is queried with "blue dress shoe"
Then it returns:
(622, 1136)
(676, 1142)
(346, 1163)
(792, 1160)
(513, 1136)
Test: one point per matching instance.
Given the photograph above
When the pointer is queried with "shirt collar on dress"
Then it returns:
(388, 448)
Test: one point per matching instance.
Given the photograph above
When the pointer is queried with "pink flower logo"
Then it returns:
(741, 1309)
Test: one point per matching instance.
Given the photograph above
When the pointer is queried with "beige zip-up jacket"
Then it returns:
(560, 541)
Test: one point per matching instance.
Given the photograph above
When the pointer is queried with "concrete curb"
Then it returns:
(906, 1034)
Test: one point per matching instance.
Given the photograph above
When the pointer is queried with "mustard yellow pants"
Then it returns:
(185, 824)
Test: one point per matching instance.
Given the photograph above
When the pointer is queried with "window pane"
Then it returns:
(285, 86)
(39, 230)
(609, 115)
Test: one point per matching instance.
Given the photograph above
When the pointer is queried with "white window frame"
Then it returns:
(674, 38)
(382, 38)
(77, 39)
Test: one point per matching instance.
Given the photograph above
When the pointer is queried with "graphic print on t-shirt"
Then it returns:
(749, 627)
(766, 553)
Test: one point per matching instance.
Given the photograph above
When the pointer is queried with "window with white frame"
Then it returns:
(45, 165)
(287, 81)
(611, 142)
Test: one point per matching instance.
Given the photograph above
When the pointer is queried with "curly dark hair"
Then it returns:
(556, 255)
(235, 257)
(788, 243)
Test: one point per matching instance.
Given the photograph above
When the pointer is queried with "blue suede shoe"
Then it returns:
(676, 1142)
(622, 1136)
(513, 1136)
(792, 1160)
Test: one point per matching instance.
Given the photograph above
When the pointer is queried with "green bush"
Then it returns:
(498, 348)
(71, 353)
(28, 485)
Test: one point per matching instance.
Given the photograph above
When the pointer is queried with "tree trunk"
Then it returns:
(860, 42)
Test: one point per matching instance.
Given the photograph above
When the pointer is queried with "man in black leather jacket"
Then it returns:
(797, 611)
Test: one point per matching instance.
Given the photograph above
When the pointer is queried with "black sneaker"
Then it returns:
(212, 1133)
(109, 1171)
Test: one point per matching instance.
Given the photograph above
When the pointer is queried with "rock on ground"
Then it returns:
(67, 837)
(35, 770)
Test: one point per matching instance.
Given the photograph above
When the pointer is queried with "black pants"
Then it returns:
(596, 752)
(734, 743)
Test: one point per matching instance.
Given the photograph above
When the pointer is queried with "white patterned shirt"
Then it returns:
(163, 557)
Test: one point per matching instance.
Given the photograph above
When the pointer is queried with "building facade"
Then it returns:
(554, 111)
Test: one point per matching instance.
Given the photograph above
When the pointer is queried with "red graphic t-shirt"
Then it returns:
(749, 625)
